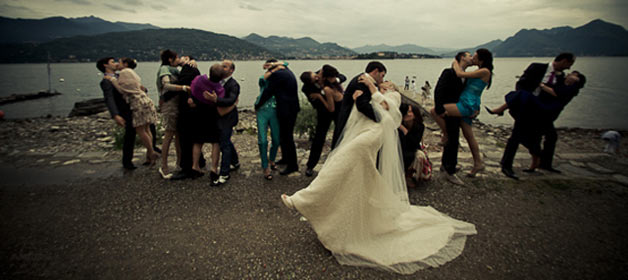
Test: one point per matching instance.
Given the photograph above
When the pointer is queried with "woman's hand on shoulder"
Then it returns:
(192, 63)
(357, 94)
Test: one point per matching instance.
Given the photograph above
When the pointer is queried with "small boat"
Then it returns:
(61, 80)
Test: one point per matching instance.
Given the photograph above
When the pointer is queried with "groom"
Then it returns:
(118, 108)
(448, 90)
(375, 70)
(533, 76)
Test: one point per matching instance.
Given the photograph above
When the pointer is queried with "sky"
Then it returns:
(351, 23)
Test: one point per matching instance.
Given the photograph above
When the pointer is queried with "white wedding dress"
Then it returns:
(362, 214)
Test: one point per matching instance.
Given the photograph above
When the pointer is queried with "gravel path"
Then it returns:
(139, 226)
(68, 211)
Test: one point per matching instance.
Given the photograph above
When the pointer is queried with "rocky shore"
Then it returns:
(67, 210)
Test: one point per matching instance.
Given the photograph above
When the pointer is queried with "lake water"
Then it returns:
(603, 103)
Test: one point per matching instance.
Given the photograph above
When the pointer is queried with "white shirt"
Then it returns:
(224, 81)
(546, 77)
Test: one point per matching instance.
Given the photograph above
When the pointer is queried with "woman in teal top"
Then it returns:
(468, 105)
(267, 117)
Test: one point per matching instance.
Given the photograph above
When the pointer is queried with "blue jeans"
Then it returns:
(267, 117)
(229, 154)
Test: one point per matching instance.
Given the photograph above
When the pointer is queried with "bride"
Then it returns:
(359, 207)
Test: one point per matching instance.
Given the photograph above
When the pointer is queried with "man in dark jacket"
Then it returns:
(448, 90)
(119, 109)
(283, 85)
(530, 81)
(226, 122)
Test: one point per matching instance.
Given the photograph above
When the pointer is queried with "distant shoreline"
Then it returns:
(325, 59)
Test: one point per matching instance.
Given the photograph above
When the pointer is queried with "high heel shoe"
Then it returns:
(493, 113)
(287, 202)
(474, 172)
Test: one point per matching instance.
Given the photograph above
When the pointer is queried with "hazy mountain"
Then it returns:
(305, 47)
(406, 48)
(596, 38)
(490, 46)
(143, 45)
(47, 29)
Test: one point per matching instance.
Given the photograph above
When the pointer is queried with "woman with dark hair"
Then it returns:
(327, 106)
(168, 90)
(144, 114)
(469, 104)
(410, 137)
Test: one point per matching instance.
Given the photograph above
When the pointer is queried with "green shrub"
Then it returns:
(306, 120)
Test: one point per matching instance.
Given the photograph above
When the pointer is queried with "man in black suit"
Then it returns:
(119, 109)
(448, 90)
(226, 122)
(530, 81)
(313, 83)
(283, 85)
(377, 71)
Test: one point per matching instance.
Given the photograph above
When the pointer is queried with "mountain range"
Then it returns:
(88, 38)
(47, 29)
(405, 48)
(596, 38)
(143, 45)
(305, 47)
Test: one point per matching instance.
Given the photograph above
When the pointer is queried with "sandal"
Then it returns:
(268, 177)
(164, 175)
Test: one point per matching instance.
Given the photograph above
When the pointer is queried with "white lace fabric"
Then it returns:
(362, 213)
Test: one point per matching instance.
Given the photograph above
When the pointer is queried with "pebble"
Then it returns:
(621, 178)
(72, 161)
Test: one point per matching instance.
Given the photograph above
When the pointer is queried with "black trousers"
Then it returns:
(449, 159)
(323, 121)
(549, 144)
(186, 140)
(286, 141)
(129, 142)
(153, 131)
(512, 145)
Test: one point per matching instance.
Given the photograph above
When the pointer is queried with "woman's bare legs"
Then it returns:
(165, 148)
(441, 123)
(534, 164)
(215, 157)
(196, 156)
(451, 109)
(478, 164)
(177, 148)
(499, 110)
(147, 140)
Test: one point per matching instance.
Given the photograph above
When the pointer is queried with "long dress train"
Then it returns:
(362, 213)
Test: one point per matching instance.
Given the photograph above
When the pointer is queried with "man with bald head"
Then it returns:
(226, 122)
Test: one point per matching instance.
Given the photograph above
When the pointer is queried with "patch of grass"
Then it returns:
(306, 120)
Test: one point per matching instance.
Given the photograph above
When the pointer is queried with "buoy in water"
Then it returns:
(1, 114)
(61, 80)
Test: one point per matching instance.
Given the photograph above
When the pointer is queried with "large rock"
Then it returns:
(88, 107)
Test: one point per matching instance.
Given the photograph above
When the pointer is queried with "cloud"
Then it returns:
(248, 6)
(118, 8)
(78, 2)
(133, 2)
(17, 11)
(350, 23)
(159, 7)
